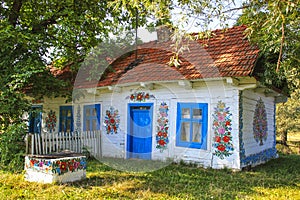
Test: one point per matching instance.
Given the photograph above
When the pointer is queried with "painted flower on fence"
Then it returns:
(222, 131)
(260, 122)
(140, 96)
(56, 166)
(162, 138)
(112, 121)
(51, 121)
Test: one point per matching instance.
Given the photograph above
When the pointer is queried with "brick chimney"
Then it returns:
(163, 33)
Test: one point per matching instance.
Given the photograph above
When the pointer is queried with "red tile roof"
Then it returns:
(226, 54)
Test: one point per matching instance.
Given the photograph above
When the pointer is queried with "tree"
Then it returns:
(274, 26)
(35, 34)
(288, 118)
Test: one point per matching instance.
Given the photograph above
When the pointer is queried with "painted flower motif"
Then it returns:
(140, 96)
(59, 166)
(63, 166)
(162, 127)
(221, 148)
(226, 139)
(112, 121)
(260, 122)
(217, 139)
(222, 131)
(51, 121)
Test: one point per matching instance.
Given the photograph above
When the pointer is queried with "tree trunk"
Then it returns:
(283, 137)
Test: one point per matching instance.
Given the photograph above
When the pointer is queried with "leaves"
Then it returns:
(274, 26)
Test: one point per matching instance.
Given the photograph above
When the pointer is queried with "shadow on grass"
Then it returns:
(190, 182)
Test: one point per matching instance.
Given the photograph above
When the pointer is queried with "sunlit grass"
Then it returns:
(278, 179)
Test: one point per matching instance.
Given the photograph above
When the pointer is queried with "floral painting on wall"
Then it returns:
(140, 96)
(162, 138)
(222, 131)
(112, 121)
(260, 122)
(51, 121)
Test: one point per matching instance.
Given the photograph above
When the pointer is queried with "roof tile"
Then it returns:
(227, 54)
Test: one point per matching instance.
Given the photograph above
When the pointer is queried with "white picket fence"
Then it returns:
(47, 143)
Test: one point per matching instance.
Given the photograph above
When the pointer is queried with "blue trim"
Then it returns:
(35, 122)
(203, 142)
(63, 119)
(91, 117)
(241, 125)
(129, 138)
(260, 157)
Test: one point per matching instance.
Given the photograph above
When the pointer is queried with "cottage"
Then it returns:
(211, 110)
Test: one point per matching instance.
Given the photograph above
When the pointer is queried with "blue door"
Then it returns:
(139, 137)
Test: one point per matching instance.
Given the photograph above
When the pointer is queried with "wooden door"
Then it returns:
(139, 137)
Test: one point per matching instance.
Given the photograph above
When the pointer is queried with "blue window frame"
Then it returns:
(91, 117)
(66, 119)
(35, 120)
(191, 125)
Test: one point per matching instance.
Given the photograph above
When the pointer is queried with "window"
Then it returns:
(91, 117)
(35, 119)
(66, 119)
(192, 125)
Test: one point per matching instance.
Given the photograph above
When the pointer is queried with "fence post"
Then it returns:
(32, 144)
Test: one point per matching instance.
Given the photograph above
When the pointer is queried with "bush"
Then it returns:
(12, 147)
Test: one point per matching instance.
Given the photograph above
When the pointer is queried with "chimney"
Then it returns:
(163, 33)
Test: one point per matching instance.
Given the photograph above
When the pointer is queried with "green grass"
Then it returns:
(278, 179)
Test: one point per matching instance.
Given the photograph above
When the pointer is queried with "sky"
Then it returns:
(192, 26)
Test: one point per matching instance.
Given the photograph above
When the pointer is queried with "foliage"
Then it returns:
(277, 179)
(288, 117)
(12, 147)
(274, 26)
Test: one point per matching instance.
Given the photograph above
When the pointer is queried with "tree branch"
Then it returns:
(14, 12)
(239, 8)
(281, 45)
(50, 21)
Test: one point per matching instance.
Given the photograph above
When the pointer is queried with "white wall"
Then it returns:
(251, 146)
(114, 145)
(210, 92)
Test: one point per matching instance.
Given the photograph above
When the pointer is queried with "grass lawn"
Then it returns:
(278, 179)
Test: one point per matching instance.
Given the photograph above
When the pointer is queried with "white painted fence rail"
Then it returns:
(46, 143)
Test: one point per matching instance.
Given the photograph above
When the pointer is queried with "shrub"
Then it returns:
(12, 147)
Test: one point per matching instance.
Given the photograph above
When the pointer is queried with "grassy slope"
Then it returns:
(278, 179)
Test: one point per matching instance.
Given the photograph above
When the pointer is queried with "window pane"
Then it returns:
(62, 125)
(94, 112)
(69, 113)
(197, 113)
(63, 113)
(68, 125)
(196, 132)
(185, 131)
(87, 112)
(185, 113)
(94, 125)
(87, 125)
